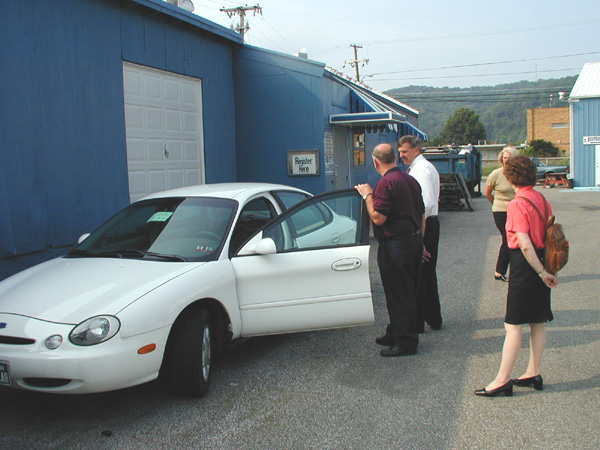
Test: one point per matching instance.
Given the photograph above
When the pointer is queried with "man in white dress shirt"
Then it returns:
(409, 148)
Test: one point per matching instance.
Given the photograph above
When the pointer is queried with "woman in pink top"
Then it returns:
(529, 284)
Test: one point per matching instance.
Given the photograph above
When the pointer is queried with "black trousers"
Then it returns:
(503, 253)
(399, 263)
(429, 309)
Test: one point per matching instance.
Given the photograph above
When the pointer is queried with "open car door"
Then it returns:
(308, 269)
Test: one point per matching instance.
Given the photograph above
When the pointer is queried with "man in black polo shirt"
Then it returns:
(396, 209)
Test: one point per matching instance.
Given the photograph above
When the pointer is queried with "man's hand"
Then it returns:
(426, 255)
(364, 189)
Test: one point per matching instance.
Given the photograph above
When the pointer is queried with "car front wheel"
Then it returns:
(190, 357)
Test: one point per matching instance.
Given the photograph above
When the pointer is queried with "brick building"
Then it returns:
(550, 124)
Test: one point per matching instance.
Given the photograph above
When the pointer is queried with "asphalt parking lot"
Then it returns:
(332, 390)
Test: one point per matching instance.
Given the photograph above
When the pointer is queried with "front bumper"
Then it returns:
(72, 369)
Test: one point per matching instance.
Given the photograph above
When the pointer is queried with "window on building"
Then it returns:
(359, 149)
(560, 125)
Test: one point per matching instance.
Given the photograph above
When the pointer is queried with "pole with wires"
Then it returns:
(240, 11)
(354, 63)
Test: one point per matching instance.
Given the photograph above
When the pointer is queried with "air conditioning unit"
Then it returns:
(183, 4)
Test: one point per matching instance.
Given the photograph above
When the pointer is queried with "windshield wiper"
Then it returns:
(129, 252)
(133, 251)
(77, 252)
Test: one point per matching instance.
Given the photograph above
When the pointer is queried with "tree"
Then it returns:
(463, 127)
(540, 147)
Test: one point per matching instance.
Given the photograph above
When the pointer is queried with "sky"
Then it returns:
(427, 42)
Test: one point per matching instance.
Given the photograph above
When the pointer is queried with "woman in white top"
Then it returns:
(499, 192)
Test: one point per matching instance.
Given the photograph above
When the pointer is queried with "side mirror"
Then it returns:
(266, 246)
(82, 238)
(257, 246)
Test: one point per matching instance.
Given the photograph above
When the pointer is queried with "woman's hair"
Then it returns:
(520, 170)
(508, 149)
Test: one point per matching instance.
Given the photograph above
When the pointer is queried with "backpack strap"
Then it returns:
(545, 222)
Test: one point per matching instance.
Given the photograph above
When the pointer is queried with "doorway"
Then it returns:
(597, 183)
(341, 158)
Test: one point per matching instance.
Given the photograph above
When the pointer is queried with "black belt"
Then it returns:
(394, 238)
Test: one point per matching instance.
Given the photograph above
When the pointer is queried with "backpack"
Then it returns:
(556, 251)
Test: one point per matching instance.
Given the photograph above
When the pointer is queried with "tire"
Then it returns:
(190, 353)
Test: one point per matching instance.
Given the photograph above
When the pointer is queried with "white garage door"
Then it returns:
(163, 119)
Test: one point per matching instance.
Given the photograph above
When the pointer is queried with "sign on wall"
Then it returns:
(303, 162)
(591, 140)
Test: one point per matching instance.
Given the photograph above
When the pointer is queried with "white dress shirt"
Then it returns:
(428, 177)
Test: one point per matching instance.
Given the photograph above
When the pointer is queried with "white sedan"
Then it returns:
(177, 275)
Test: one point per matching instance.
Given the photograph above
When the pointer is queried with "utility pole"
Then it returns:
(241, 11)
(355, 62)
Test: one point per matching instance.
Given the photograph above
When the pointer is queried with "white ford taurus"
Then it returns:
(176, 276)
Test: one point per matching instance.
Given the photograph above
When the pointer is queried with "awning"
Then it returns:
(409, 129)
(377, 122)
(367, 118)
(373, 115)
(374, 121)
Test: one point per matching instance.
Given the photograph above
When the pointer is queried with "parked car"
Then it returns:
(178, 275)
(544, 169)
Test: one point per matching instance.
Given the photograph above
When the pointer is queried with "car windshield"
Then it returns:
(167, 229)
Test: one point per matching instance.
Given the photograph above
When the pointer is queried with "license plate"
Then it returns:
(4, 374)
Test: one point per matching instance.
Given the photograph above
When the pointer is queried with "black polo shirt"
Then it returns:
(397, 196)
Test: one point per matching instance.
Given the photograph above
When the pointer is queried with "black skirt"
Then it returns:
(528, 297)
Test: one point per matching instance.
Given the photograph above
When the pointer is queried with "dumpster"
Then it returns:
(460, 175)
(465, 160)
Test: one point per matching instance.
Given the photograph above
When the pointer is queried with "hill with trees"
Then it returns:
(502, 109)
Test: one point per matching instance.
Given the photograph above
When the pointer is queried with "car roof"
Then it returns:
(238, 191)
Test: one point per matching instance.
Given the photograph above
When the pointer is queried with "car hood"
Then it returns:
(70, 290)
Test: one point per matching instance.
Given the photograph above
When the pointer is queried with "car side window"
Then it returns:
(311, 218)
(254, 215)
(287, 199)
(330, 221)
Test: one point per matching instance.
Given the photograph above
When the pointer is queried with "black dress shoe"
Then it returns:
(500, 278)
(384, 340)
(435, 326)
(506, 389)
(394, 350)
(537, 382)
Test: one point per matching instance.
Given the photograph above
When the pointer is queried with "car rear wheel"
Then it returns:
(190, 357)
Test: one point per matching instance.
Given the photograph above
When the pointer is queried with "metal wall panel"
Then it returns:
(586, 122)
(62, 122)
(279, 107)
(58, 159)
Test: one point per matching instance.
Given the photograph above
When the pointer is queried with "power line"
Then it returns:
(463, 91)
(280, 35)
(273, 43)
(460, 95)
(485, 64)
(478, 75)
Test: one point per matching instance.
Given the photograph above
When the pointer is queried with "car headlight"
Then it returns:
(95, 330)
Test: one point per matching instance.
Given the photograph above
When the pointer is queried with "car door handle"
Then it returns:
(346, 264)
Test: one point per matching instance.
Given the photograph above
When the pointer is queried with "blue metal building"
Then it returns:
(584, 103)
(63, 151)
(104, 101)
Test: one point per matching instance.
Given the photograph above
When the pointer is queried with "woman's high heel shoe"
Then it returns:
(537, 382)
(500, 278)
(506, 389)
